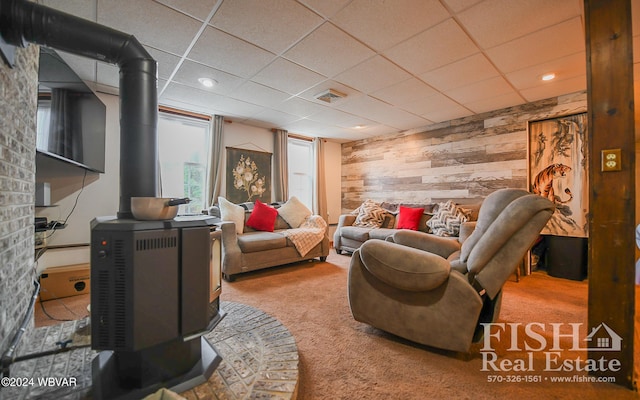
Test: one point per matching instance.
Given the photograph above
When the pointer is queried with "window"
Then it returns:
(301, 161)
(183, 151)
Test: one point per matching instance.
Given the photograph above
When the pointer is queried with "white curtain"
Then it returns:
(280, 165)
(215, 158)
(320, 198)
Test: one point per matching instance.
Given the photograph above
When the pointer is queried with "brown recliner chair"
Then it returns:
(436, 292)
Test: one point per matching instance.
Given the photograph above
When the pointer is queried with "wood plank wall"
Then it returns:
(463, 159)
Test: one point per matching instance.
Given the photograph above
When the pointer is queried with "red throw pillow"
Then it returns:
(263, 217)
(409, 218)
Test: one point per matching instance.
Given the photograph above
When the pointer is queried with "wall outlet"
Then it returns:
(611, 160)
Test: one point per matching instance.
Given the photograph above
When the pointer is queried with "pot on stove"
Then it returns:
(156, 208)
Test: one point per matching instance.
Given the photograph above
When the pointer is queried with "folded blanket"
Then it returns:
(308, 235)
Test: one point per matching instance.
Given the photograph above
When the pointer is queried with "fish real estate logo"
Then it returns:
(553, 354)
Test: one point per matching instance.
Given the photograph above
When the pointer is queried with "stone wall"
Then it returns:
(462, 159)
(18, 102)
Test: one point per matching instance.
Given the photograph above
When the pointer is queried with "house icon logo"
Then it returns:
(603, 338)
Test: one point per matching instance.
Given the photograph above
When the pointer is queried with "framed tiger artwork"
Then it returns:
(558, 170)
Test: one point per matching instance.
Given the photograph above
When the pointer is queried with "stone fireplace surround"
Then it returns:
(18, 96)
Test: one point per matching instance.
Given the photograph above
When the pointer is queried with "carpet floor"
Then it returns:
(341, 358)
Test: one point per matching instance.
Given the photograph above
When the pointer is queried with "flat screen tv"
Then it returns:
(71, 118)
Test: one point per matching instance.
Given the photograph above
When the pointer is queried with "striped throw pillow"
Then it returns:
(370, 215)
(447, 220)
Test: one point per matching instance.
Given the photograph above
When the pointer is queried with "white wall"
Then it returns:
(101, 191)
(98, 198)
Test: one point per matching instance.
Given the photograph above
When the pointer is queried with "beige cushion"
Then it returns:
(418, 270)
(232, 212)
(261, 241)
(294, 212)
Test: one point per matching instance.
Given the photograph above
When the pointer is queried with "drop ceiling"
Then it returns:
(401, 64)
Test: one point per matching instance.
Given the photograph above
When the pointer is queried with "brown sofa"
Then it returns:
(349, 238)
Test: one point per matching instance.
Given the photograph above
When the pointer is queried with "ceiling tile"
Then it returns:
(443, 108)
(485, 104)
(298, 106)
(493, 22)
(288, 77)
(86, 9)
(539, 47)
(176, 91)
(384, 113)
(555, 88)
(373, 74)
(459, 5)
(274, 119)
(274, 25)
(309, 127)
(407, 94)
(564, 68)
(440, 45)
(336, 117)
(222, 51)
(148, 22)
(181, 105)
(256, 93)
(376, 130)
(382, 24)
(189, 73)
(328, 51)
(488, 88)
(198, 9)
(461, 73)
(166, 62)
(326, 8)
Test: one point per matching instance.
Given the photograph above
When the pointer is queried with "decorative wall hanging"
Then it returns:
(558, 170)
(248, 175)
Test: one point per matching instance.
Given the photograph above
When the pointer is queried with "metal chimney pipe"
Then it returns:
(23, 22)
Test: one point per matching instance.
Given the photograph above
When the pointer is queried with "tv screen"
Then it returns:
(71, 118)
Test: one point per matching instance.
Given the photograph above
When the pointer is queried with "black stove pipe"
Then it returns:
(23, 22)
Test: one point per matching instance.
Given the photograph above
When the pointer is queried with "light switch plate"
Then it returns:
(611, 160)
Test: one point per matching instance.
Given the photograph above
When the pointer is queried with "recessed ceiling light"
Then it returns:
(548, 77)
(359, 127)
(207, 82)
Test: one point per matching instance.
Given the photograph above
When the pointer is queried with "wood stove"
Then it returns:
(151, 297)
(155, 289)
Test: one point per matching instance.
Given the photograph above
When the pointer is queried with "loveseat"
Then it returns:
(246, 248)
(454, 221)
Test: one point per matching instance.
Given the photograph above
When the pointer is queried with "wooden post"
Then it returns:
(612, 193)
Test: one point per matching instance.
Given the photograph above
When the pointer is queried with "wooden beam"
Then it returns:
(612, 194)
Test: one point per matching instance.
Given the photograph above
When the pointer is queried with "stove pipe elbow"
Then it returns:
(23, 22)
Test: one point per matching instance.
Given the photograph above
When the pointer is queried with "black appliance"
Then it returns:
(127, 279)
(155, 289)
(567, 257)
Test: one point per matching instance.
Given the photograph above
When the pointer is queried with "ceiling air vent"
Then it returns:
(330, 96)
